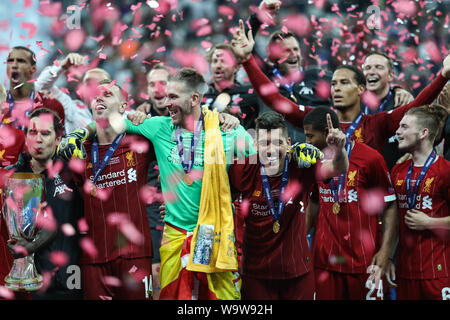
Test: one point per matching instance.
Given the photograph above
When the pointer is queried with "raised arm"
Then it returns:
(48, 76)
(266, 90)
(426, 96)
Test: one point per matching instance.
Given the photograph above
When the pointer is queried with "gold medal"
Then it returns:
(187, 179)
(336, 208)
(276, 227)
(94, 191)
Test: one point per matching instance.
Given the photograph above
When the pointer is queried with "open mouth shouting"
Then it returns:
(16, 77)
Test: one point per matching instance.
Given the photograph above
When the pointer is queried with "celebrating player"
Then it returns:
(276, 258)
(347, 86)
(422, 185)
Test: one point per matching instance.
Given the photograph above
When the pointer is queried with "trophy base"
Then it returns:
(23, 284)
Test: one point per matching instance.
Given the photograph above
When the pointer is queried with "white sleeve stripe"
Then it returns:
(390, 198)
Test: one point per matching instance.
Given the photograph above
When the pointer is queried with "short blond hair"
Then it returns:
(98, 70)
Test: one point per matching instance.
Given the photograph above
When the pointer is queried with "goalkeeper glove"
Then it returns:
(305, 154)
(71, 145)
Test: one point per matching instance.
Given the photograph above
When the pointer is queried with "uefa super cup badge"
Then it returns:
(26, 190)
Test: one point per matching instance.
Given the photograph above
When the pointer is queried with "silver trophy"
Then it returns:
(22, 195)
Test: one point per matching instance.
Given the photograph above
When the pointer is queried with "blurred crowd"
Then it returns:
(127, 37)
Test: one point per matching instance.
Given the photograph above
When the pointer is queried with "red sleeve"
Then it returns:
(379, 176)
(391, 119)
(242, 173)
(269, 94)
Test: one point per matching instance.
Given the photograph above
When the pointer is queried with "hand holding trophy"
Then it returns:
(22, 195)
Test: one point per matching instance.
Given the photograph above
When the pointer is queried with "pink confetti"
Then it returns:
(59, 258)
(191, 58)
(323, 89)
(103, 194)
(18, 249)
(405, 7)
(323, 276)
(372, 201)
(244, 207)
(133, 269)
(74, 39)
(46, 220)
(367, 240)
(370, 99)
(204, 31)
(68, 230)
(53, 169)
(46, 281)
(149, 194)
(433, 51)
(83, 225)
(48, 9)
(161, 49)
(88, 246)
(226, 10)
(112, 281)
(268, 89)
(11, 204)
(130, 231)
(77, 165)
(6, 293)
(31, 27)
(292, 189)
(298, 23)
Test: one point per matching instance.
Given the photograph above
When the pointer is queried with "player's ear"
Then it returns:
(123, 107)
(424, 133)
(361, 89)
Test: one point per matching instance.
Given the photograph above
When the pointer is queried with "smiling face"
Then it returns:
(291, 58)
(19, 68)
(41, 138)
(223, 67)
(408, 133)
(272, 146)
(178, 102)
(109, 101)
(345, 90)
(378, 74)
(156, 89)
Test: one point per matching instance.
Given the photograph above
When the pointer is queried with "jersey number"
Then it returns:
(148, 286)
(446, 293)
(371, 286)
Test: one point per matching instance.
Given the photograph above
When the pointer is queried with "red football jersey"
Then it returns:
(6, 258)
(123, 177)
(346, 241)
(424, 254)
(374, 130)
(12, 143)
(269, 255)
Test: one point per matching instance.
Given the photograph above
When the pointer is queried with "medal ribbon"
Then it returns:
(268, 192)
(11, 106)
(96, 167)
(412, 196)
(187, 167)
(336, 191)
(382, 105)
(288, 87)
